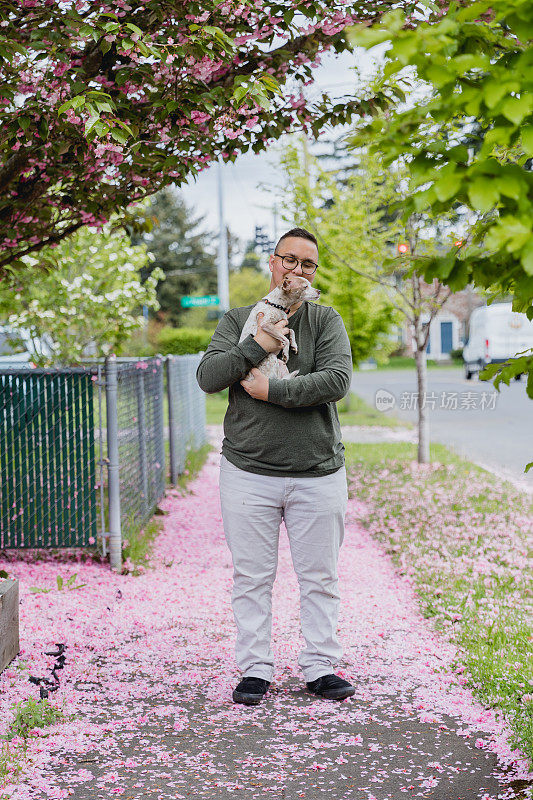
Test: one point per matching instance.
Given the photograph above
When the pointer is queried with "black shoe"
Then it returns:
(332, 687)
(250, 691)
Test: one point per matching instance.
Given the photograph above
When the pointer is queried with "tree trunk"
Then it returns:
(423, 422)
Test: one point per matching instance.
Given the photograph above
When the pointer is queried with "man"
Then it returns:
(282, 457)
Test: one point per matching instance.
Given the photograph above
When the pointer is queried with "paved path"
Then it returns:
(150, 674)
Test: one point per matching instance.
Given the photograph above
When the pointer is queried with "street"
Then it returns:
(496, 432)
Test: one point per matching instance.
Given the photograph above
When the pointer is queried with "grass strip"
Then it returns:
(465, 539)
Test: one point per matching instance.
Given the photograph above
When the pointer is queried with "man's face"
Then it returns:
(292, 246)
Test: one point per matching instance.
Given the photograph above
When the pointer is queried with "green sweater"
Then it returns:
(297, 431)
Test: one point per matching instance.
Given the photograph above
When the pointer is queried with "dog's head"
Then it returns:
(296, 288)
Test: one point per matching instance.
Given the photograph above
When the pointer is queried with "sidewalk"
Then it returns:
(150, 672)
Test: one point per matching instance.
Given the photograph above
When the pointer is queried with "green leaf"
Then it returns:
(493, 92)
(125, 126)
(518, 230)
(404, 49)
(459, 153)
(483, 194)
(364, 36)
(510, 186)
(118, 135)
(496, 237)
(423, 200)
(103, 106)
(523, 28)
(4, 574)
(447, 186)
(263, 101)
(239, 93)
(43, 127)
(516, 108)
(527, 139)
(59, 580)
(134, 28)
(459, 276)
(74, 102)
(90, 123)
(526, 257)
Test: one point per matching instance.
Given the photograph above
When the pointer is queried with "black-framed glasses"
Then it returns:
(291, 262)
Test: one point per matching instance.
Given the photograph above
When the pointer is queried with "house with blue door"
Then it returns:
(449, 327)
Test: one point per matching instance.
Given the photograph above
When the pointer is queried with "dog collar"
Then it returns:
(282, 308)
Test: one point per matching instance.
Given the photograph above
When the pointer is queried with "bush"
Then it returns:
(457, 353)
(181, 341)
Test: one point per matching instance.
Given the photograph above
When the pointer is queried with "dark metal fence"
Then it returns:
(47, 458)
(53, 425)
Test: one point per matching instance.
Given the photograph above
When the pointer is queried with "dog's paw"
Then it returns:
(295, 347)
(291, 375)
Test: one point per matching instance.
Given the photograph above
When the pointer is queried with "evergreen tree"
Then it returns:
(251, 259)
(186, 254)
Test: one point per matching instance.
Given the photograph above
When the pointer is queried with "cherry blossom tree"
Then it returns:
(104, 102)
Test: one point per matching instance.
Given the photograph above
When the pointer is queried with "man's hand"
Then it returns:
(266, 340)
(258, 388)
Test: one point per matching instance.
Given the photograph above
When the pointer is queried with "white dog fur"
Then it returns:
(292, 290)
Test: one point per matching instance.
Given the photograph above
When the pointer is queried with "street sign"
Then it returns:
(207, 300)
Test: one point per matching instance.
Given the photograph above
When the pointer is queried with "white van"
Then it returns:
(496, 333)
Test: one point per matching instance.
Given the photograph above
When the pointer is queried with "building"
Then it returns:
(449, 327)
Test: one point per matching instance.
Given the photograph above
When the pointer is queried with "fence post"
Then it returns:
(160, 429)
(171, 423)
(115, 533)
(191, 433)
(141, 430)
(203, 438)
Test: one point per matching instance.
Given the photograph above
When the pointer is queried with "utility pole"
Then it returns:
(222, 263)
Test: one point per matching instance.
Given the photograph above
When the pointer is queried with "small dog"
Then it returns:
(275, 306)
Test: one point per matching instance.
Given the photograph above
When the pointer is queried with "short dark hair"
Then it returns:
(301, 233)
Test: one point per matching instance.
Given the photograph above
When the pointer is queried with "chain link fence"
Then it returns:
(60, 427)
(47, 458)
(186, 406)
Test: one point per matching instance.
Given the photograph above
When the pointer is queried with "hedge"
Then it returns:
(181, 341)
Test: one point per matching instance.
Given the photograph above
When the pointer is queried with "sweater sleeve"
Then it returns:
(226, 360)
(332, 378)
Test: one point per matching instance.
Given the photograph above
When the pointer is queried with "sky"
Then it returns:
(247, 201)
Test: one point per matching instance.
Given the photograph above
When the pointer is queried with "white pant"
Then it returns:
(313, 509)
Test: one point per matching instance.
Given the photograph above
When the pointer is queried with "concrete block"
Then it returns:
(9, 621)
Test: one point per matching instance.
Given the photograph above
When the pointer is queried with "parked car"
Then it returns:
(17, 348)
(496, 334)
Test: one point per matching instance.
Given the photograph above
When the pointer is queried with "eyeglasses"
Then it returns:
(291, 262)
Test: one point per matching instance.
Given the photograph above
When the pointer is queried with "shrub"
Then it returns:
(181, 341)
